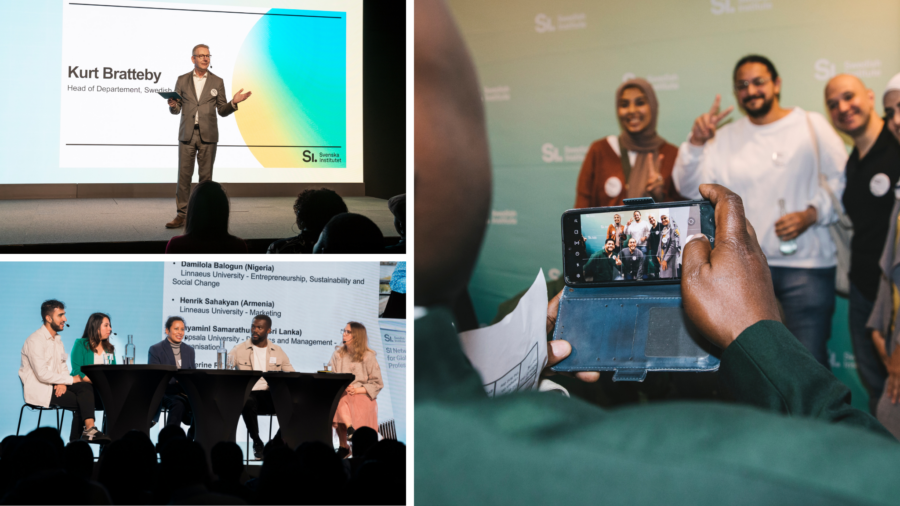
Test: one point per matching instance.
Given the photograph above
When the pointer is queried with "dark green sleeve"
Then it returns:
(78, 360)
(766, 366)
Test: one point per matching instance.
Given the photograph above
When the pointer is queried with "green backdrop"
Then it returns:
(549, 69)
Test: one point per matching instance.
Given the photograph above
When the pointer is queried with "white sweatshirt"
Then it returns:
(765, 163)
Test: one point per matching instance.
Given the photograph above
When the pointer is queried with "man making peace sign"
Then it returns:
(769, 156)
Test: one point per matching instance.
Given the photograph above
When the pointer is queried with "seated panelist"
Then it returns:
(172, 351)
(93, 348)
(357, 406)
(46, 380)
(258, 354)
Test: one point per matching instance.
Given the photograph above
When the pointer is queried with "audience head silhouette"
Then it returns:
(397, 205)
(208, 211)
(314, 208)
(350, 233)
(38, 469)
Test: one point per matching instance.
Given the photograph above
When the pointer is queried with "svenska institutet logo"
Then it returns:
(551, 154)
(825, 69)
(719, 7)
(544, 23)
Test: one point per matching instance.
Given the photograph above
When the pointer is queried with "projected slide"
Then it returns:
(303, 65)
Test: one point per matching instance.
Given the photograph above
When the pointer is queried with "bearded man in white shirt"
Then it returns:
(772, 158)
(46, 380)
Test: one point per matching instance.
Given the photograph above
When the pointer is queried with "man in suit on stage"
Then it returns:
(203, 93)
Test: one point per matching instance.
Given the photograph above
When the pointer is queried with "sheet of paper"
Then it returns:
(511, 354)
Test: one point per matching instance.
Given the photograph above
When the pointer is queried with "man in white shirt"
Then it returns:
(639, 230)
(768, 157)
(258, 354)
(46, 380)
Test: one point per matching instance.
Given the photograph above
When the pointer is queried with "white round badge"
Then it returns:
(214, 92)
(613, 187)
(880, 184)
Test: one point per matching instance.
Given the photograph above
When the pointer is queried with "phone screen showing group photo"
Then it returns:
(635, 245)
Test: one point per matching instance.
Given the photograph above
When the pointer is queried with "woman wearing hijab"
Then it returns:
(883, 320)
(637, 162)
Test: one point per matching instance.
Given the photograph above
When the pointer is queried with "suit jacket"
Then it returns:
(243, 355)
(161, 353)
(791, 415)
(207, 104)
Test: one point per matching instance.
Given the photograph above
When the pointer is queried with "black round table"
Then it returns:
(217, 398)
(130, 394)
(305, 403)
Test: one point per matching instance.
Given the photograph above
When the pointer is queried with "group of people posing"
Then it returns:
(47, 381)
(637, 251)
(793, 173)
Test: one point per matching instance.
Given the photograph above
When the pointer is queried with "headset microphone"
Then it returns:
(67, 325)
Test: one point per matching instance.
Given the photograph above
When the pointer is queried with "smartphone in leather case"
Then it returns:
(621, 309)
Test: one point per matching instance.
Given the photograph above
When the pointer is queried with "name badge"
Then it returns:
(271, 360)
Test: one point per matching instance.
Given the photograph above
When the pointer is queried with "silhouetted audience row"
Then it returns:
(38, 469)
(324, 222)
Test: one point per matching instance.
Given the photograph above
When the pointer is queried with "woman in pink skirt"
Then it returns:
(357, 407)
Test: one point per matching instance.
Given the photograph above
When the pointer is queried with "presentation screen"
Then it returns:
(301, 60)
(309, 304)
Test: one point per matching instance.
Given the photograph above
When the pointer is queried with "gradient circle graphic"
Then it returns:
(294, 62)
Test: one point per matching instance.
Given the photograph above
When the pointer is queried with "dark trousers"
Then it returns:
(98, 406)
(176, 402)
(868, 364)
(79, 396)
(205, 154)
(651, 263)
(807, 298)
(259, 402)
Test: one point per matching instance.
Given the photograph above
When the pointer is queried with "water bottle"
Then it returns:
(221, 355)
(786, 247)
(129, 350)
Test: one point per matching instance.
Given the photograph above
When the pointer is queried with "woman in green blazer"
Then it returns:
(93, 345)
(90, 349)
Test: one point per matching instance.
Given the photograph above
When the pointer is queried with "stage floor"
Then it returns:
(71, 221)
